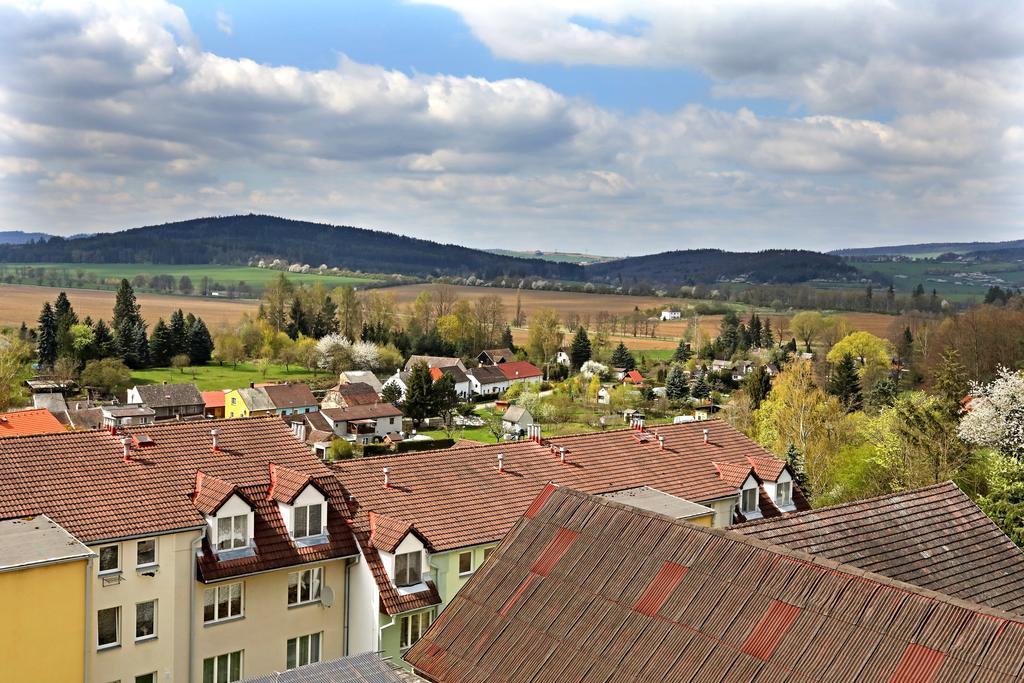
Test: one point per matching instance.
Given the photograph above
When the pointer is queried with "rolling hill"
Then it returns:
(928, 249)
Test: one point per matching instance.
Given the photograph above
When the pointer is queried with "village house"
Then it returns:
(220, 547)
(434, 362)
(364, 424)
(291, 399)
(27, 422)
(516, 419)
(119, 417)
(251, 401)
(562, 358)
(642, 595)
(633, 378)
(314, 430)
(487, 380)
(168, 401)
(671, 314)
(459, 379)
(428, 507)
(495, 356)
(214, 403)
(360, 377)
(348, 395)
(401, 380)
(521, 372)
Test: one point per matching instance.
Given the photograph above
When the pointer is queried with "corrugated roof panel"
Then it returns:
(523, 586)
(553, 552)
(770, 630)
(660, 587)
(919, 664)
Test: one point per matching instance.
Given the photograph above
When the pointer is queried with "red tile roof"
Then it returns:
(28, 422)
(436, 374)
(456, 497)
(287, 396)
(934, 537)
(286, 484)
(633, 377)
(743, 610)
(80, 480)
(734, 474)
(210, 493)
(386, 533)
(520, 369)
(213, 399)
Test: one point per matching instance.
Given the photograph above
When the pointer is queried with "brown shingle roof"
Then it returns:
(589, 590)
(169, 395)
(358, 394)
(373, 411)
(286, 396)
(488, 374)
(934, 537)
(499, 355)
(81, 481)
(457, 498)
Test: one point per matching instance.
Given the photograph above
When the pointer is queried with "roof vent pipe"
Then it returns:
(126, 448)
(387, 483)
(661, 442)
(705, 436)
(561, 454)
(501, 463)
(213, 435)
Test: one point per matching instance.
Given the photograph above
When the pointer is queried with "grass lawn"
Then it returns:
(212, 377)
(654, 354)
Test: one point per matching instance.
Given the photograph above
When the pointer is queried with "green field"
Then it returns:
(108, 275)
(943, 276)
(212, 377)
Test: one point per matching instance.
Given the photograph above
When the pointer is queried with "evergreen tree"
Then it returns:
(23, 333)
(160, 345)
(325, 320)
(178, 334)
(950, 381)
(682, 352)
(104, 339)
(419, 400)
(767, 338)
(622, 358)
(676, 386)
(795, 460)
(579, 351)
(905, 345)
(129, 328)
(755, 329)
(391, 393)
(46, 346)
(200, 343)
(701, 388)
(728, 337)
(759, 385)
(297, 322)
(791, 346)
(506, 339)
(126, 308)
(65, 317)
(844, 383)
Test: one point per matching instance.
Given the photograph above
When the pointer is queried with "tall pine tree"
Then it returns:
(178, 334)
(844, 384)
(46, 339)
(682, 352)
(506, 339)
(104, 343)
(676, 386)
(579, 351)
(419, 399)
(66, 317)
(622, 358)
(758, 385)
(200, 343)
(160, 345)
(129, 328)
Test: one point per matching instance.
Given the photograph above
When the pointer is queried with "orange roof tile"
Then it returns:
(213, 399)
(28, 422)
(520, 369)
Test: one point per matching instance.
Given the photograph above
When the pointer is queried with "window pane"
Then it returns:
(209, 604)
(208, 670)
(314, 520)
(223, 533)
(145, 619)
(401, 568)
(222, 602)
(109, 558)
(291, 654)
(318, 575)
(293, 588)
(146, 678)
(465, 562)
(236, 600)
(303, 650)
(146, 552)
(222, 669)
(241, 531)
(235, 674)
(300, 522)
(403, 640)
(304, 589)
(107, 626)
(314, 648)
(487, 552)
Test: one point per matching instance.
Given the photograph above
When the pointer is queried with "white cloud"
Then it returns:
(225, 24)
(90, 93)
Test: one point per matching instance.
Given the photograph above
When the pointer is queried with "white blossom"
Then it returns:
(365, 355)
(995, 417)
(333, 351)
(592, 367)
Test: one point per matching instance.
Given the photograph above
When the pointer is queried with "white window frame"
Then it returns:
(117, 628)
(405, 581)
(234, 542)
(217, 660)
(315, 583)
(307, 532)
(216, 592)
(304, 655)
(788, 498)
(469, 571)
(488, 552)
(413, 624)
(156, 553)
(743, 500)
(152, 635)
(99, 560)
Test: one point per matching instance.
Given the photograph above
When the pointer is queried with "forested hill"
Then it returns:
(233, 240)
(695, 266)
(929, 249)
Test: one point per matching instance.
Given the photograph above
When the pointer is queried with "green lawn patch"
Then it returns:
(212, 377)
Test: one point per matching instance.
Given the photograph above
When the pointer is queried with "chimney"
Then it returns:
(705, 436)
(387, 484)
(561, 454)
(501, 463)
(213, 434)
(252, 385)
(126, 448)
(661, 442)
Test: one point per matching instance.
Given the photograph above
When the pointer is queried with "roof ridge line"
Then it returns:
(816, 560)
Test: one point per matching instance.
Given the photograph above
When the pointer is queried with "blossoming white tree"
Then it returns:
(996, 414)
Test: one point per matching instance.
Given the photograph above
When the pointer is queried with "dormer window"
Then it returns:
(408, 569)
(784, 493)
(232, 532)
(748, 501)
(308, 520)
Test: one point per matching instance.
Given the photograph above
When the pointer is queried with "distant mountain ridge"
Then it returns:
(21, 237)
(929, 248)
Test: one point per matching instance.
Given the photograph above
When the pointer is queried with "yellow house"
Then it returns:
(43, 575)
(248, 402)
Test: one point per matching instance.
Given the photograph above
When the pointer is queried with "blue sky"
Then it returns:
(609, 126)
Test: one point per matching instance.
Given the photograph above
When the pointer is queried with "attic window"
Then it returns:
(232, 532)
(408, 569)
(308, 521)
(748, 502)
(784, 493)
(143, 440)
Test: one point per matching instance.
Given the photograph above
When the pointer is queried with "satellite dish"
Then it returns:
(327, 596)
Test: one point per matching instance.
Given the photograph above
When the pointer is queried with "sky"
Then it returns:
(602, 126)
